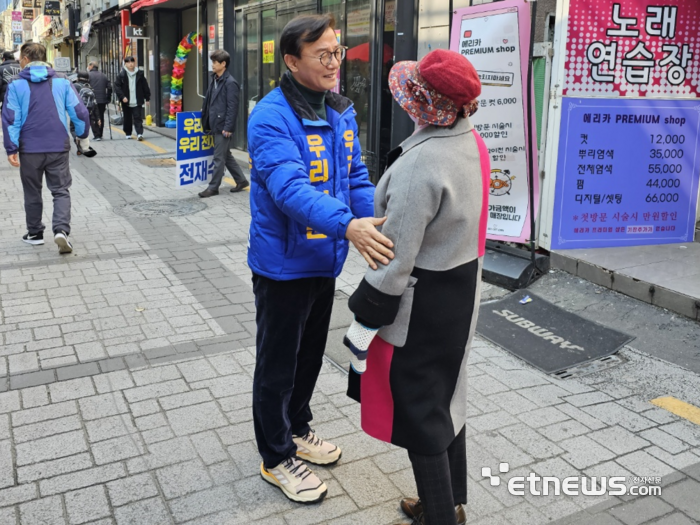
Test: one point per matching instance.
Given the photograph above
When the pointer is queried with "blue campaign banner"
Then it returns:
(627, 174)
(195, 151)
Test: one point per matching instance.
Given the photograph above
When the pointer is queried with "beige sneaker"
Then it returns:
(296, 481)
(313, 449)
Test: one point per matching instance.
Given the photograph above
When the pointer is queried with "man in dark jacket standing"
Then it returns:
(103, 92)
(8, 69)
(219, 114)
(132, 90)
(35, 131)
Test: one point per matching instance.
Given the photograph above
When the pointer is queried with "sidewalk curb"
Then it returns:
(240, 155)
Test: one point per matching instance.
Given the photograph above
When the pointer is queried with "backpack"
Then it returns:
(10, 73)
(87, 95)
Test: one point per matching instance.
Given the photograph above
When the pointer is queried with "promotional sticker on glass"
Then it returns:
(627, 174)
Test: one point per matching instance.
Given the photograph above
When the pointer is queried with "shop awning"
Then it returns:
(145, 3)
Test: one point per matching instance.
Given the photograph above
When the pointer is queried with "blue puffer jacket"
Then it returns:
(307, 184)
(34, 112)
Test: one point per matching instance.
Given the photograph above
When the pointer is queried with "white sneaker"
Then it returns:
(139, 137)
(64, 245)
(128, 137)
(313, 449)
(296, 481)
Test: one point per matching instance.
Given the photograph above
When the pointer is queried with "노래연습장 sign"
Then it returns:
(634, 48)
(627, 173)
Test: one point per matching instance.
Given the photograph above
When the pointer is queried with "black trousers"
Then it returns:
(99, 129)
(442, 481)
(133, 115)
(292, 319)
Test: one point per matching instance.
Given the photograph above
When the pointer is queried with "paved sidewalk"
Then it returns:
(126, 372)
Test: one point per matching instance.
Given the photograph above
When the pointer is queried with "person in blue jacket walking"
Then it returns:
(310, 195)
(37, 140)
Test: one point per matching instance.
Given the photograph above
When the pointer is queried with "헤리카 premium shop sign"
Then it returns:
(633, 48)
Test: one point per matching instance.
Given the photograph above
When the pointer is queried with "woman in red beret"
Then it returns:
(411, 376)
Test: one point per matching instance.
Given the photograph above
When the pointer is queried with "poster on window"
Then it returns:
(627, 174)
(495, 39)
(269, 52)
(635, 48)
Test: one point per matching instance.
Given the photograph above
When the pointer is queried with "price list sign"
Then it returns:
(627, 174)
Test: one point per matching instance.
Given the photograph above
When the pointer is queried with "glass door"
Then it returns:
(263, 66)
(252, 84)
(270, 40)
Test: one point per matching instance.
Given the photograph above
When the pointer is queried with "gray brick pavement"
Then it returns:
(130, 387)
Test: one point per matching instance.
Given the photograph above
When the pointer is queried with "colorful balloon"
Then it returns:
(183, 49)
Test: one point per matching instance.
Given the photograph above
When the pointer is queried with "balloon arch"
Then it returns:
(183, 50)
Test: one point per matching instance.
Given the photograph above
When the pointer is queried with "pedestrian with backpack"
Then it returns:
(9, 69)
(37, 141)
(87, 95)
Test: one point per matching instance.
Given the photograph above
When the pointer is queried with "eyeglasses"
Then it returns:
(326, 58)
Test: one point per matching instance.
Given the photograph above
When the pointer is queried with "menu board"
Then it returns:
(627, 174)
(494, 38)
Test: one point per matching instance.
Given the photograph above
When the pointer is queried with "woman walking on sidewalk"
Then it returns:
(425, 301)
(132, 90)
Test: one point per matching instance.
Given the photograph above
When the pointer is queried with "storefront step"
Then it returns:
(666, 275)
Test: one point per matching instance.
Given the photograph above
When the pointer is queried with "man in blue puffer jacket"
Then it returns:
(310, 194)
(35, 129)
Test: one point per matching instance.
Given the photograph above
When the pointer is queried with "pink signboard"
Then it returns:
(495, 38)
(633, 48)
(16, 16)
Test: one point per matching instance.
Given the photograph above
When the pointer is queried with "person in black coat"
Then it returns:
(219, 114)
(132, 90)
(8, 69)
(103, 93)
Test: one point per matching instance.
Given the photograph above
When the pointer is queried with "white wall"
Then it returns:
(434, 23)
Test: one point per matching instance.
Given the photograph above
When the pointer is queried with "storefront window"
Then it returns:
(386, 97)
(169, 40)
(241, 73)
(358, 68)
(252, 60)
(269, 50)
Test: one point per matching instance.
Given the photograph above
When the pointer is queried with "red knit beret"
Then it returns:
(452, 75)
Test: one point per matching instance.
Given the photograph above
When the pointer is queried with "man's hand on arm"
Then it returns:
(14, 160)
(369, 241)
